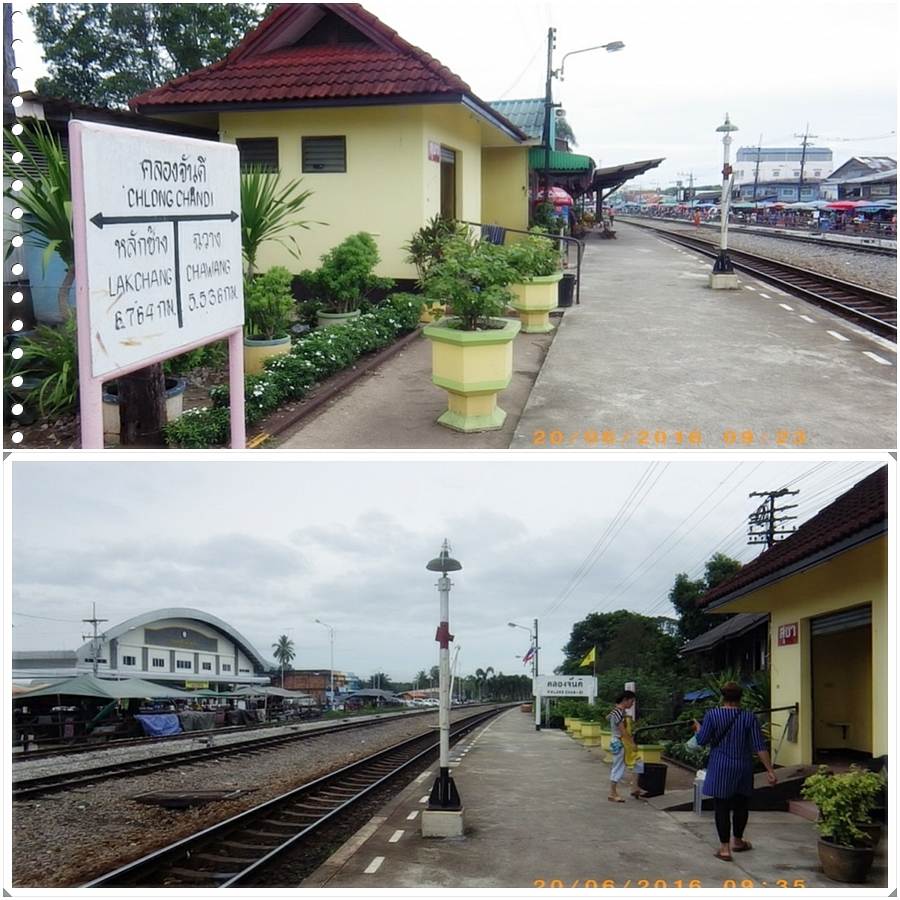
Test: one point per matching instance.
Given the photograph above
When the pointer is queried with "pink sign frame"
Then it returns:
(91, 388)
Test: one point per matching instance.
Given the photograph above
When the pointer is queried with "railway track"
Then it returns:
(238, 851)
(27, 788)
(872, 309)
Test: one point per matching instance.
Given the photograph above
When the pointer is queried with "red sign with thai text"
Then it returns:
(788, 634)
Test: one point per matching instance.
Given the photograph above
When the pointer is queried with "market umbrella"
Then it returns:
(841, 205)
(558, 197)
(104, 688)
(801, 206)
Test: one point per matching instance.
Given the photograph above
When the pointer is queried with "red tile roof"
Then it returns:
(860, 508)
(267, 67)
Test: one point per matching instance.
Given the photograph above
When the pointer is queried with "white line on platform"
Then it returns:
(876, 357)
(840, 337)
(749, 287)
(761, 294)
(395, 836)
(785, 306)
(412, 815)
(423, 799)
(808, 319)
(374, 866)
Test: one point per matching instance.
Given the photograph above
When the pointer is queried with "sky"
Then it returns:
(773, 65)
(271, 544)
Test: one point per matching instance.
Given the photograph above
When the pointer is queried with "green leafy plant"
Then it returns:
(209, 356)
(536, 255)
(346, 276)
(427, 245)
(52, 356)
(46, 197)
(198, 428)
(845, 801)
(545, 218)
(269, 304)
(269, 213)
(472, 278)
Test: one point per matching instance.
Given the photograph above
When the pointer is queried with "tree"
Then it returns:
(421, 679)
(283, 651)
(106, 53)
(434, 675)
(694, 621)
(481, 677)
(381, 681)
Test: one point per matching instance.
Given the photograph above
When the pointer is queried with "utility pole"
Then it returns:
(806, 136)
(537, 671)
(690, 190)
(756, 173)
(548, 111)
(95, 643)
(765, 520)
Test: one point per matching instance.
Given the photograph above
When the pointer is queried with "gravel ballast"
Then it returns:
(67, 838)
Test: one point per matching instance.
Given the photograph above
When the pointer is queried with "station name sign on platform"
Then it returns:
(565, 686)
(163, 242)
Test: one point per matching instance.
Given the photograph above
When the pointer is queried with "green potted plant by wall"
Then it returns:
(346, 279)
(268, 309)
(535, 290)
(845, 802)
(425, 248)
(472, 350)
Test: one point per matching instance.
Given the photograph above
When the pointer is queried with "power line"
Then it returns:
(46, 618)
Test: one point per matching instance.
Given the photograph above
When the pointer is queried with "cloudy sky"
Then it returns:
(774, 65)
(272, 544)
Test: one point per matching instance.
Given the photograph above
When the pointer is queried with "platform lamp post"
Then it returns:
(535, 668)
(443, 815)
(722, 275)
(331, 662)
(552, 73)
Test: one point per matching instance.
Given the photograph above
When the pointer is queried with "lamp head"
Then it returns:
(444, 563)
(614, 46)
(726, 125)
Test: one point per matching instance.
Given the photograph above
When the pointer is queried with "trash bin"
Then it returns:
(566, 290)
(653, 779)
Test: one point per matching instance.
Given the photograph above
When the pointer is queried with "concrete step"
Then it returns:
(806, 809)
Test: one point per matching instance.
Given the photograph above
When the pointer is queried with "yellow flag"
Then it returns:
(589, 658)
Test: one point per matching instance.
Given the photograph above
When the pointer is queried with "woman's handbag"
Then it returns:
(692, 743)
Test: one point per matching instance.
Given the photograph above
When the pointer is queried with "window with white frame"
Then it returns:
(129, 661)
(158, 662)
(183, 664)
(226, 667)
(207, 667)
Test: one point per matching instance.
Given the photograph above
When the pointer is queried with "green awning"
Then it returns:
(105, 689)
(560, 161)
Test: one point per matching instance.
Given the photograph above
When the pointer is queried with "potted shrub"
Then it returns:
(269, 309)
(425, 248)
(472, 348)
(536, 287)
(346, 279)
(845, 802)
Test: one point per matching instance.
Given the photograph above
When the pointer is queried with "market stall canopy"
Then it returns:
(23, 689)
(612, 177)
(248, 691)
(841, 205)
(105, 689)
(558, 197)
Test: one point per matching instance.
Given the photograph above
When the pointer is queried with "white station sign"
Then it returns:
(163, 243)
(565, 686)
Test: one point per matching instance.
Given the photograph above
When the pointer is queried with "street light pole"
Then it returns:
(534, 666)
(444, 795)
(331, 662)
(722, 275)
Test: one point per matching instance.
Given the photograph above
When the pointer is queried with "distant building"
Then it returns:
(864, 178)
(177, 646)
(781, 164)
(317, 682)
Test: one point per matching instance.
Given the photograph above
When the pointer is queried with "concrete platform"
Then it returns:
(652, 353)
(536, 815)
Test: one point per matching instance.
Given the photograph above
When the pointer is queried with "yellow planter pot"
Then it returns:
(533, 299)
(257, 352)
(652, 753)
(606, 739)
(590, 735)
(472, 366)
(575, 727)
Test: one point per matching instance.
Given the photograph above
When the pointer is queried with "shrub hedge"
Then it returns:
(313, 358)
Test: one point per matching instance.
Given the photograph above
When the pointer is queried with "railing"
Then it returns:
(794, 707)
(499, 230)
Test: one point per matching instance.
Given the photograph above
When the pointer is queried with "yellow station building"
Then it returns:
(383, 135)
(826, 591)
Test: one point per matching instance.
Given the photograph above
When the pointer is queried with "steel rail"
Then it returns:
(875, 310)
(249, 841)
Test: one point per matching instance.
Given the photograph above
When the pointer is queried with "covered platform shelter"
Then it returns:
(611, 178)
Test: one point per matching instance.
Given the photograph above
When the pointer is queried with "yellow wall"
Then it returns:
(390, 187)
(854, 578)
(504, 187)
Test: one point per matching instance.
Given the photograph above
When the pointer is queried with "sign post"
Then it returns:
(156, 223)
(546, 686)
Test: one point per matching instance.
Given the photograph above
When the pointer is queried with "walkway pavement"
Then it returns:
(654, 358)
(536, 815)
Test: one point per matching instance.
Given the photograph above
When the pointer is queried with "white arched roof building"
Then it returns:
(175, 645)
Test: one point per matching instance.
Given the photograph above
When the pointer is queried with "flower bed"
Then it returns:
(313, 358)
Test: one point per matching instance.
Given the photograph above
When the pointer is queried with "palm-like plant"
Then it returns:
(481, 676)
(268, 213)
(283, 650)
(45, 197)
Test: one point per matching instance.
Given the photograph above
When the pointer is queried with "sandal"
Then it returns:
(745, 846)
(616, 799)
(720, 855)
(639, 794)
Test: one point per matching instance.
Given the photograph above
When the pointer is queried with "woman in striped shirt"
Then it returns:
(733, 735)
(619, 736)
